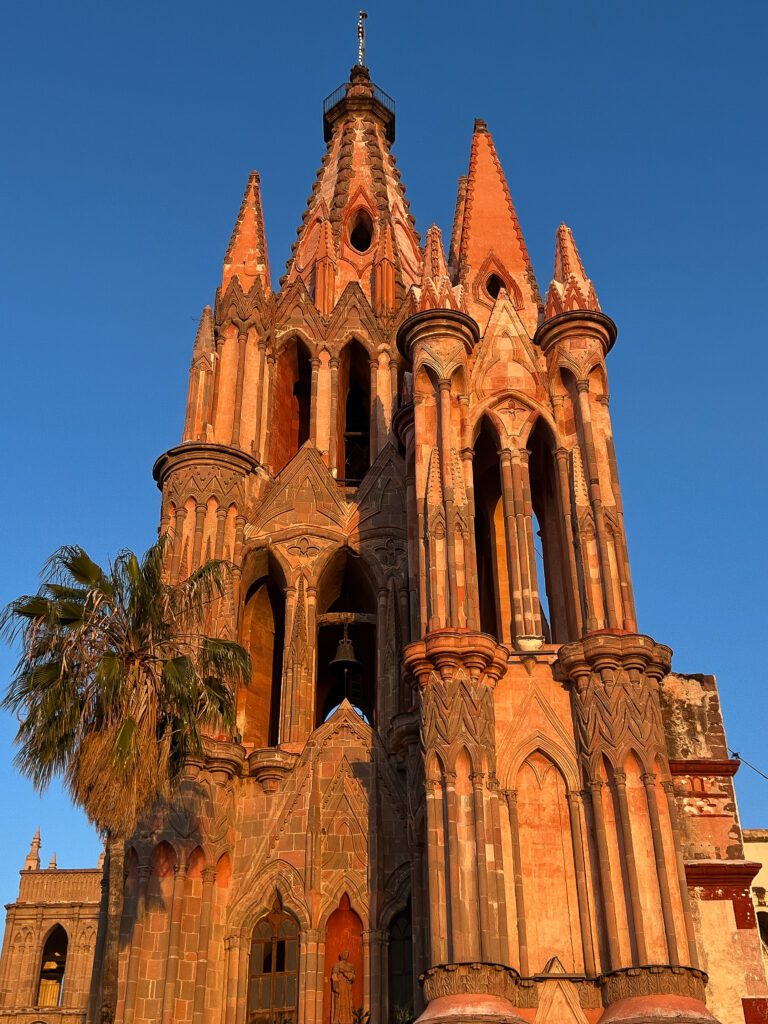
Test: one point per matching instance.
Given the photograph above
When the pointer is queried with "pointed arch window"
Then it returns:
(293, 403)
(263, 636)
(355, 413)
(52, 967)
(490, 546)
(274, 968)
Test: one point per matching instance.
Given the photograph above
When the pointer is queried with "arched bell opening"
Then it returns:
(52, 967)
(490, 545)
(289, 428)
(547, 534)
(354, 414)
(263, 636)
(346, 639)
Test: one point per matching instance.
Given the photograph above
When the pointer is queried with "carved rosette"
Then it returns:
(456, 671)
(615, 697)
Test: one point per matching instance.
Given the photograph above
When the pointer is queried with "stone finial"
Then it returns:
(52, 865)
(32, 861)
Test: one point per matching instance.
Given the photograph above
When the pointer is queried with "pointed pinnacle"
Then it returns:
(570, 288)
(246, 256)
(32, 860)
(204, 338)
(434, 258)
(567, 259)
(52, 862)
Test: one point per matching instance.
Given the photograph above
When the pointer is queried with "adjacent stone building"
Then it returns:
(464, 785)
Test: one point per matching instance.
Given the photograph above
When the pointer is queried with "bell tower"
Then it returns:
(457, 790)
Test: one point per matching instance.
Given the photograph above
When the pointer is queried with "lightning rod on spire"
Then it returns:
(361, 38)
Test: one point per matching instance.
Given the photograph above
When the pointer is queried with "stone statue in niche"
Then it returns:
(342, 980)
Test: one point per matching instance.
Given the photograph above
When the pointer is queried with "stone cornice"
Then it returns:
(721, 874)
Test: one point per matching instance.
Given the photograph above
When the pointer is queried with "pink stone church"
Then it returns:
(465, 786)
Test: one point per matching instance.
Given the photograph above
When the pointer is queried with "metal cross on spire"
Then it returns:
(361, 38)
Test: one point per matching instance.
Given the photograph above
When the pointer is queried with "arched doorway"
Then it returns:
(273, 989)
(343, 982)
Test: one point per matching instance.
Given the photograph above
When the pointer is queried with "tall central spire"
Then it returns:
(357, 217)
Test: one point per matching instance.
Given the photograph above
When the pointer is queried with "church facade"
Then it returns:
(464, 786)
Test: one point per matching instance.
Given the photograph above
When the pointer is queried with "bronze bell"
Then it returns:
(345, 653)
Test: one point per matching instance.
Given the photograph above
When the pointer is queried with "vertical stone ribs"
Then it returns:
(615, 682)
(456, 671)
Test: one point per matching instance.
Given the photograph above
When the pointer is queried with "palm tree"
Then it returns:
(116, 683)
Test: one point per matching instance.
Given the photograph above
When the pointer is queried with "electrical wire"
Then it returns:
(743, 760)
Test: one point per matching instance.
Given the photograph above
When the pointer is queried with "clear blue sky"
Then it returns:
(128, 134)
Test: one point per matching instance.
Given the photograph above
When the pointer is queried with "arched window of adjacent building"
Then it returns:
(762, 924)
(52, 967)
(490, 546)
(262, 635)
(346, 638)
(400, 966)
(354, 414)
(553, 584)
(274, 968)
(289, 428)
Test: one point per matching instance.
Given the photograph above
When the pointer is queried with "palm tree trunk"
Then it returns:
(116, 882)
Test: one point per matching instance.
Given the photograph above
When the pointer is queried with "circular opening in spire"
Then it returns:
(493, 285)
(361, 231)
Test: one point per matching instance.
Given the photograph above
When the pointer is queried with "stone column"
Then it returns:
(258, 437)
(232, 954)
(615, 679)
(456, 669)
(203, 951)
(172, 956)
(333, 432)
(137, 940)
(315, 364)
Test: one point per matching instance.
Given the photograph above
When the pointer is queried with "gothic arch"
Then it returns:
(355, 892)
(278, 877)
(52, 966)
(397, 894)
(548, 748)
